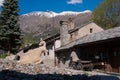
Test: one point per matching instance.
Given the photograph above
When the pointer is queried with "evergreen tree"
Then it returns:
(10, 34)
(107, 14)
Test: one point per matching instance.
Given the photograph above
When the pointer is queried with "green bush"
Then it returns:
(3, 55)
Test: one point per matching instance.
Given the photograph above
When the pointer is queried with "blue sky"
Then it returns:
(27, 6)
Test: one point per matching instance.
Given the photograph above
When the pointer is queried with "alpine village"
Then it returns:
(69, 45)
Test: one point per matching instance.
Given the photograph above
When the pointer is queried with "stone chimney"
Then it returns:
(71, 24)
(64, 36)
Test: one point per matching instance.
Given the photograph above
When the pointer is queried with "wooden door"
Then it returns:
(115, 60)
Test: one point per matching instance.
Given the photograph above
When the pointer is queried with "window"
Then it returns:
(91, 30)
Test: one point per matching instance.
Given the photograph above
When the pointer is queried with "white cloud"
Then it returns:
(74, 2)
(1, 2)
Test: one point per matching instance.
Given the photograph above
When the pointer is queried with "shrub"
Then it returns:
(3, 55)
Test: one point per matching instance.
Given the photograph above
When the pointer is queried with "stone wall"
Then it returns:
(64, 36)
(88, 29)
(71, 24)
(49, 58)
(85, 30)
(64, 58)
(57, 44)
(73, 36)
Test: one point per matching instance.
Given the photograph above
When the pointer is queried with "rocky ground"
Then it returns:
(11, 70)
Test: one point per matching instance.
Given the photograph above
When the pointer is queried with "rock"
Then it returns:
(11, 57)
(11, 70)
(34, 55)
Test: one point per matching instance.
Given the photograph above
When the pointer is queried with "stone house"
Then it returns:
(89, 42)
(68, 34)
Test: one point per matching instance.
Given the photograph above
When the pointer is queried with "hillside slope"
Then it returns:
(47, 23)
(37, 22)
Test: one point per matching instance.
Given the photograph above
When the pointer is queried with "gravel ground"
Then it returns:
(11, 70)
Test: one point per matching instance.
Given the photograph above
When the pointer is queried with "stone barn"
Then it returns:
(89, 43)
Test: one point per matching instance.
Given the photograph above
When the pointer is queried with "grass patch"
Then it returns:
(3, 55)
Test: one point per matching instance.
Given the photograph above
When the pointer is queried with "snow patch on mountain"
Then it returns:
(53, 14)
(73, 13)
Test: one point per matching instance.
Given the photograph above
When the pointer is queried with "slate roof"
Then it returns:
(100, 36)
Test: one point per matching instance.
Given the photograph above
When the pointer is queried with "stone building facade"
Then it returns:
(91, 42)
(68, 34)
(52, 43)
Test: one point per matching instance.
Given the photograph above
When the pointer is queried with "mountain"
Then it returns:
(53, 14)
(38, 22)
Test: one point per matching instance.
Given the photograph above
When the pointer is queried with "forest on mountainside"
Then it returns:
(107, 14)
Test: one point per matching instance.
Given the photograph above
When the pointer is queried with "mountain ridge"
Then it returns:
(37, 24)
(54, 14)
